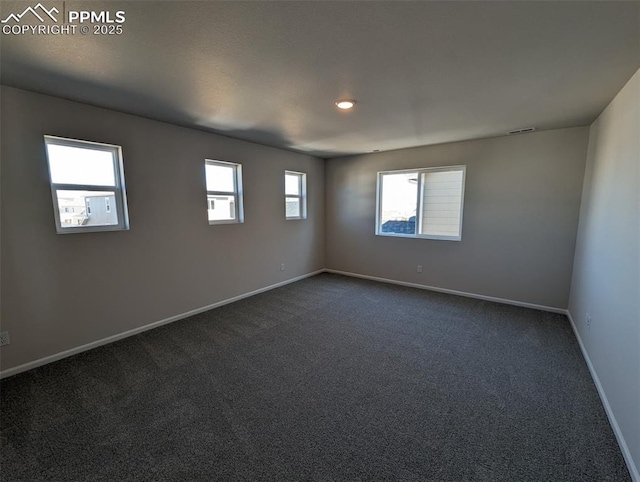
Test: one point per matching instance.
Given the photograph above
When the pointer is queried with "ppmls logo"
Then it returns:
(37, 21)
(34, 10)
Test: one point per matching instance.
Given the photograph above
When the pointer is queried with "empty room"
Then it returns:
(320, 241)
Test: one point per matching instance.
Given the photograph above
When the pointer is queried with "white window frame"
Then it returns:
(302, 197)
(236, 193)
(118, 190)
(419, 202)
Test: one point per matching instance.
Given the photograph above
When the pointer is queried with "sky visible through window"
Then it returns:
(292, 184)
(219, 178)
(74, 165)
(399, 196)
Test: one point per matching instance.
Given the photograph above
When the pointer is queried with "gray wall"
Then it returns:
(606, 275)
(62, 291)
(522, 200)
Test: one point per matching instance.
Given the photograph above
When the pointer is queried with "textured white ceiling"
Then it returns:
(422, 72)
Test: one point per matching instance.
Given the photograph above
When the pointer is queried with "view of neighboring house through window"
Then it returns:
(224, 192)
(295, 195)
(422, 203)
(86, 181)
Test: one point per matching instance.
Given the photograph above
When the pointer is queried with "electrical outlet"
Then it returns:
(4, 338)
(281, 266)
(419, 268)
(588, 321)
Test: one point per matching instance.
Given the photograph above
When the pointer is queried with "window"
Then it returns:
(224, 192)
(82, 171)
(421, 203)
(295, 195)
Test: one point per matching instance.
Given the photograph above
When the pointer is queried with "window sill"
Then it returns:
(421, 236)
(95, 229)
(230, 221)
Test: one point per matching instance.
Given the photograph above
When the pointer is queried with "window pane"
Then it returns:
(292, 205)
(76, 165)
(221, 208)
(292, 184)
(220, 178)
(399, 202)
(86, 208)
(441, 203)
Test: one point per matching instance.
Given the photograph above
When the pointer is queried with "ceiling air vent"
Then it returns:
(521, 131)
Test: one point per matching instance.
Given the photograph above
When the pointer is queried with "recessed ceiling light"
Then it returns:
(345, 104)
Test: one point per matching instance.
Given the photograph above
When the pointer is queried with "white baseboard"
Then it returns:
(110, 339)
(626, 453)
(552, 309)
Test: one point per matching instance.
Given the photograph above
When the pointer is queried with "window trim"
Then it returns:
(419, 201)
(236, 193)
(302, 197)
(119, 189)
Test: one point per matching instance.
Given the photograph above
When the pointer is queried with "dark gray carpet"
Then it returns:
(327, 379)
